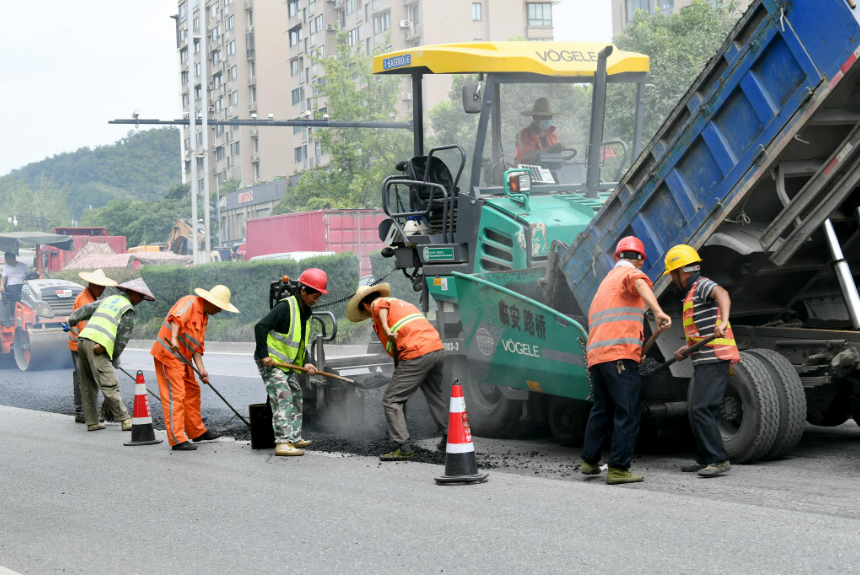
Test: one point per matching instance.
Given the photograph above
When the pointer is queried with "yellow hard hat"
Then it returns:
(680, 256)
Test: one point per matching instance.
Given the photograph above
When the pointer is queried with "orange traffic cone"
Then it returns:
(460, 463)
(142, 432)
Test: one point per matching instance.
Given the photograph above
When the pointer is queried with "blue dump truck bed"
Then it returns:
(749, 163)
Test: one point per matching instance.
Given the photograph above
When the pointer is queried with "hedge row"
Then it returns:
(248, 283)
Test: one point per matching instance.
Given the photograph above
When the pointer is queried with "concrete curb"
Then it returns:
(247, 347)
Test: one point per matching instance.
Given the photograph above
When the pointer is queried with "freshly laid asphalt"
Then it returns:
(79, 502)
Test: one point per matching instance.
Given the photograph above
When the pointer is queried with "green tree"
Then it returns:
(679, 46)
(139, 166)
(31, 203)
(134, 219)
(229, 186)
(360, 157)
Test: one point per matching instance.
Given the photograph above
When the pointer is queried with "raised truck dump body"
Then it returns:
(757, 168)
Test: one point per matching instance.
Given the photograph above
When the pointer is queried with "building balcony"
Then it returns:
(249, 4)
(413, 32)
(252, 107)
(255, 158)
(249, 29)
(249, 54)
(255, 132)
(408, 2)
(252, 80)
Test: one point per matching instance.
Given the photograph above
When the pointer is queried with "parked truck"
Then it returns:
(317, 231)
(757, 168)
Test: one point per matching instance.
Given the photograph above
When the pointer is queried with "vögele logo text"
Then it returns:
(485, 341)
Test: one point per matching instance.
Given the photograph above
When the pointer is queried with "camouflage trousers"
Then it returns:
(285, 396)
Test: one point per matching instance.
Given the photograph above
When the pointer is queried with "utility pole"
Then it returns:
(192, 136)
(204, 88)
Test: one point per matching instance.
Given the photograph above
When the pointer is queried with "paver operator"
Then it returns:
(539, 136)
(97, 281)
(12, 279)
(615, 339)
(706, 313)
(179, 342)
(282, 336)
(100, 344)
(419, 358)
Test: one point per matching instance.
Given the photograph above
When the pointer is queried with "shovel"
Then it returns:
(189, 364)
(303, 370)
(685, 352)
(150, 392)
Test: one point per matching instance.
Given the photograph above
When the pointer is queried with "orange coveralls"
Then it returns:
(180, 392)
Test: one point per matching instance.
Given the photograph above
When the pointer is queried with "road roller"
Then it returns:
(31, 329)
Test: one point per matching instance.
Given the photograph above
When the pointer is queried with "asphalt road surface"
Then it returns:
(80, 502)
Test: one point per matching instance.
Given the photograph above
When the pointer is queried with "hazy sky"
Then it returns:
(69, 66)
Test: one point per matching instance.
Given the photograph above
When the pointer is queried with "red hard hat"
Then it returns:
(315, 279)
(630, 244)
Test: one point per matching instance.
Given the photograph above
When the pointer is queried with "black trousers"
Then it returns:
(709, 387)
(617, 394)
(14, 292)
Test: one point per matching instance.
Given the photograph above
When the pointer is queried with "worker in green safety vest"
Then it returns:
(110, 322)
(282, 337)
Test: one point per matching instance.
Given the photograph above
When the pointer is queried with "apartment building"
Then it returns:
(261, 59)
(623, 10)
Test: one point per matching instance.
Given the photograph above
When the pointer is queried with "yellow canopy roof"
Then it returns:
(544, 58)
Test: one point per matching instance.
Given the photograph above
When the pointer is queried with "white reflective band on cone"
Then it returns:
(460, 448)
(458, 405)
(141, 421)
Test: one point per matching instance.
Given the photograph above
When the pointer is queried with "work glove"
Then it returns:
(65, 327)
(116, 362)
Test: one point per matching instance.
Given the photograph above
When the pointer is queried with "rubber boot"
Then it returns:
(443, 444)
(621, 476)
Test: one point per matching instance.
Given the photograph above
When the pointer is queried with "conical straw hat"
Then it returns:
(219, 295)
(353, 313)
(138, 286)
(97, 277)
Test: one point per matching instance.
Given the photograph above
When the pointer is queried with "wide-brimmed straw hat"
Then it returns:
(219, 295)
(353, 313)
(97, 277)
(138, 286)
(542, 107)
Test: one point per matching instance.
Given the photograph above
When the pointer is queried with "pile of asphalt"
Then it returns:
(649, 366)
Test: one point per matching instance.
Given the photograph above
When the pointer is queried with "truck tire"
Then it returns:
(792, 401)
(491, 414)
(749, 414)
(567, 420)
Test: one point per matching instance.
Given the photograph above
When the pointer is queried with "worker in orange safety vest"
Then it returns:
(179, 342)
(615, 338)
(419, 360)
(706, 313)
